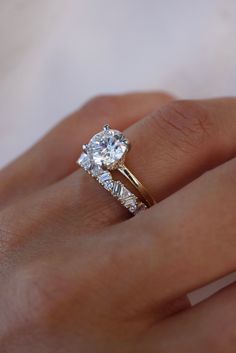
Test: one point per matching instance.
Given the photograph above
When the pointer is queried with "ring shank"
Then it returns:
(136, 183)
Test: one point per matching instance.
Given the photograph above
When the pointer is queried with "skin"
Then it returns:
(77, 274)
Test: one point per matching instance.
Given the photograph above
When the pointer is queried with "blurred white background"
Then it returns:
(54, 54)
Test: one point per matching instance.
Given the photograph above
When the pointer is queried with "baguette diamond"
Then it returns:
(104, 177)
(116, 188)
(84, 161)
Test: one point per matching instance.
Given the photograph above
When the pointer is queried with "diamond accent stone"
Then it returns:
(84, 161)
(130, 201)
(108, 147)
(125, 193)
(108, 185)
(104, 177)
(117, 189)
(133, 209)
(96, 170)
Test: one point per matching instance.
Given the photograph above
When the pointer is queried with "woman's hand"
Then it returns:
(77, 275)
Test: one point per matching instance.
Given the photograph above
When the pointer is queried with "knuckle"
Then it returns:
(185, 123)
(102, 104)
(40, 289)
(45, 293)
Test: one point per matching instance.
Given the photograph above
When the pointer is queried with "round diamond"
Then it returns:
(108, 147)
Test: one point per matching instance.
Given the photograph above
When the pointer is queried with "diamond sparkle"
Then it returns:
(108, 148)
(104, 153)
(104, 177)
(84, 161)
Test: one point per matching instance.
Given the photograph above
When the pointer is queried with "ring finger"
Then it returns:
(170, 148)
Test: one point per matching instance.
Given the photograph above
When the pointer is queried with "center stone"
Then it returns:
(108, 147)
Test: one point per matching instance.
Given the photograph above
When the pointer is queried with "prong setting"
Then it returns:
(106, 127)
(126, 141)
(85, 148)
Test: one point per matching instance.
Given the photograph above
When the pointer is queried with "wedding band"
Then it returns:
(136, 183)
(115, 187)
(106, 152)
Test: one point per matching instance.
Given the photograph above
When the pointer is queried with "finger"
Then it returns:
(180, 141)
(181, 244)
(179, 146)
(176, 145)
(55, 155)
(208, 327)
(169, 149)
(186, 241)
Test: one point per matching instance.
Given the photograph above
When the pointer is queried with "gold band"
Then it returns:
(149, 201)
(115, 187)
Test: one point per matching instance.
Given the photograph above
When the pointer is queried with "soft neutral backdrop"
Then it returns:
(55, 54)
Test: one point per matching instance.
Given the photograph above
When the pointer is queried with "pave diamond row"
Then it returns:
(115, 187)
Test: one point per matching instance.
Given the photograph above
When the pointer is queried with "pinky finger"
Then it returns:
(209, 327)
